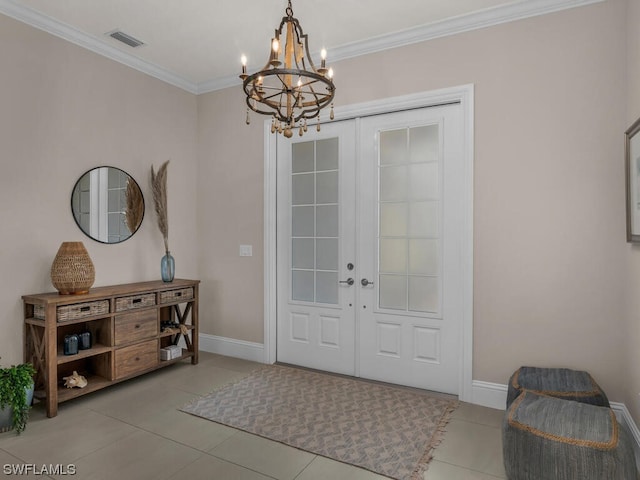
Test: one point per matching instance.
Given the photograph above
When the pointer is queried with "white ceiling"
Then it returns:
(197, 44)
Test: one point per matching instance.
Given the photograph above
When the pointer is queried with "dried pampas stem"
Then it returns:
(159, 189)
(135, 206)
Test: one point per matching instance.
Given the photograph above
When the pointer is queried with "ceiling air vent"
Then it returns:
(124, 38)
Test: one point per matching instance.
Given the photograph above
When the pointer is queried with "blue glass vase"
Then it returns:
(167, 268)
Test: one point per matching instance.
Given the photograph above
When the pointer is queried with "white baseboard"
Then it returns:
(492, 395)
(231, 347)
(625, 418)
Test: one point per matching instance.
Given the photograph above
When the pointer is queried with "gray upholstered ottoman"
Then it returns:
(546, 438)
(556, 382)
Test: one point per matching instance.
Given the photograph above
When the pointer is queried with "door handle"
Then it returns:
(349, 281)
(364, 282)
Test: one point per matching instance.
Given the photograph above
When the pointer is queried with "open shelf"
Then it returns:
(95, 350)
(185, 354)
(94, 382)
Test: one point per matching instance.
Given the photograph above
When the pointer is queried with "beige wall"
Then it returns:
(632, 393)
(230, 194)
(550, 108)
(64, 110)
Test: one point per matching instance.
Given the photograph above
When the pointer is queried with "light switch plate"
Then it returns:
(246, 250)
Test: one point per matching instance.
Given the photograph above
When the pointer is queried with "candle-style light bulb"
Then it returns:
(323, 62)
(275, 49)
(330, 73)
(243, 60)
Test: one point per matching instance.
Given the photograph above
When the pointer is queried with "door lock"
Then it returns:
(349, 281)
(364, 282)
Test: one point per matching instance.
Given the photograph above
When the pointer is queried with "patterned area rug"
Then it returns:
(387, 430)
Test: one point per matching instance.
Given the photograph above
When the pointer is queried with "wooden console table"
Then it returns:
(126, 326)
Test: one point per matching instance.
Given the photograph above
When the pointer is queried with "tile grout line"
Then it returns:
(468, 469)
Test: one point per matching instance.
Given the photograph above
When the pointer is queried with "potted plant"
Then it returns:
(16, 393)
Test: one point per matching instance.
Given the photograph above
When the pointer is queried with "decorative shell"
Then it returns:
(75, 380)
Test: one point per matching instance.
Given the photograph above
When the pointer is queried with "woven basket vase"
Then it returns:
(72, 271)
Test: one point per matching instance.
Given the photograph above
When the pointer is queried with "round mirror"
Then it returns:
(107, 204)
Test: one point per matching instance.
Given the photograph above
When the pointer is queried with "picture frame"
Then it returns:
(632, 170)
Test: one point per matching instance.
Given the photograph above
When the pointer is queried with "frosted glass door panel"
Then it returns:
(393, 292)
(327, 287)
(424, 294)
(393, 147)
(424, 220)
(327, 154)
(302, 158)
(424, 257)
(423, 181)
(327, 221)
(409, 203)
(393, 219)
(303, 221)
(393, 255)
(393, 183)
(425, 144)
(327, 250)
(302, 253)
(303, 189)
(327, 187)
(302, 285)
(315, 220)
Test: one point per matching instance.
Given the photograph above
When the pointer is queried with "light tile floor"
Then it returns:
(133, 431)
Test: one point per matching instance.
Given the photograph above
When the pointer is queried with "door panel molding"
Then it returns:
(464, 95)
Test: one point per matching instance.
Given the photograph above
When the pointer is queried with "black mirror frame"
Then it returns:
(76, 219)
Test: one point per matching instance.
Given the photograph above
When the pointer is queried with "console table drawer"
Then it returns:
(135, 301)
(131, 327)
(136, 358)
(182, 294)
(67, 313)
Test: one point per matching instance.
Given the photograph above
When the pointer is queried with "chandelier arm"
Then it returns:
(319, 103)
(265, 98)
(306, 46)
(289, 71)
(256, 109)
(263, 112)
(321, 99)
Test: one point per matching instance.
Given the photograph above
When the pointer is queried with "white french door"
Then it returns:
(409, 249)
(369, 240)
(316, 242)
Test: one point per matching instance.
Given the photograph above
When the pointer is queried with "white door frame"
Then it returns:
(463, 94)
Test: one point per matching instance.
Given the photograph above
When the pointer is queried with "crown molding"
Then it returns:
(464, 23)
(452, 26)
(219, 84)
(92, 43)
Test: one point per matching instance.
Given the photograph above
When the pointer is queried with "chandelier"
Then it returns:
(291, 90)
